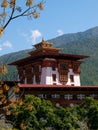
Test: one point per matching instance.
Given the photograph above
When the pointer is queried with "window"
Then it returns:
(63, 77)
(72, 85)
(68, 96)
(57, 96)
(54, 77)
(94, 95)
(42, 96)
(72, 78)
(64, 66)
(80, 96)
(53, 68)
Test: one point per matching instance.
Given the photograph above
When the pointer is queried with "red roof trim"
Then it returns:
(53, 86)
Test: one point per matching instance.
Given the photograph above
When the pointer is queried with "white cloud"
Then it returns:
(35, 34)
(60, 32)
(7, 44)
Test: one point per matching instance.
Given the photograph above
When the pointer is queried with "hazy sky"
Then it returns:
(59, 17)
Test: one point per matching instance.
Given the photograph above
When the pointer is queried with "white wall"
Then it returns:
(46, 76)
(76, 78)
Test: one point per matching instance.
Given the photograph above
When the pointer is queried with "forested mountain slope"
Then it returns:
(85, 43)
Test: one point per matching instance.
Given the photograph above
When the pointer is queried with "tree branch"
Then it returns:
(9, 18)
(23, 14)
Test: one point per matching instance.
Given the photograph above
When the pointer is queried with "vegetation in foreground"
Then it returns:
(38, 114)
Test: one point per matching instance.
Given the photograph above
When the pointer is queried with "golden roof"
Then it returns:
(43, 44)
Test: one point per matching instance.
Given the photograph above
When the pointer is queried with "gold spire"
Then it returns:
(43, 44)
(43, 40)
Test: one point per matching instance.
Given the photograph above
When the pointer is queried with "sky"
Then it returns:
(58, 17)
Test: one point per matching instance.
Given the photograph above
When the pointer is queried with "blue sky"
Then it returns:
(59, 17)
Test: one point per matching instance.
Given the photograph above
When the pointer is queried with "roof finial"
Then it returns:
(43, 40)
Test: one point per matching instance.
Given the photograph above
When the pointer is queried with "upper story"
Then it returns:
(47, 65)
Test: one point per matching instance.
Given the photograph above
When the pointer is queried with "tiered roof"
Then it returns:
(45, 50)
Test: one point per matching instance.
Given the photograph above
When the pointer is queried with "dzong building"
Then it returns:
(52, 75)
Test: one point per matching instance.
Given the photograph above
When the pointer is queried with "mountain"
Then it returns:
(67, 38)
(8, 58)
(85, 43)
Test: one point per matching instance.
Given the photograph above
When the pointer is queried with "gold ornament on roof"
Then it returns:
(46, 44)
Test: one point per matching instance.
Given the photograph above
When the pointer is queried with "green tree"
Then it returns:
(23, 116)
(92, 113)
(36, 114)
(87, 114)
(69, 118)
(39, 114)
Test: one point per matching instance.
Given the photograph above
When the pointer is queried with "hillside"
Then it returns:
(85, 43)
(67, 38)
(8, 58)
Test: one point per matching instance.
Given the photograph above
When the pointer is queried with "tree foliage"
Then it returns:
(8, 99)
(35, 113)
(13, 9)
(39, 114)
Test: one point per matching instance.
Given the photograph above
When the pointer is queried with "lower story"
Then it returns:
(60, 95)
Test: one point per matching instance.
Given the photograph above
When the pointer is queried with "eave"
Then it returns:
(46, 55)
(58, 87)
